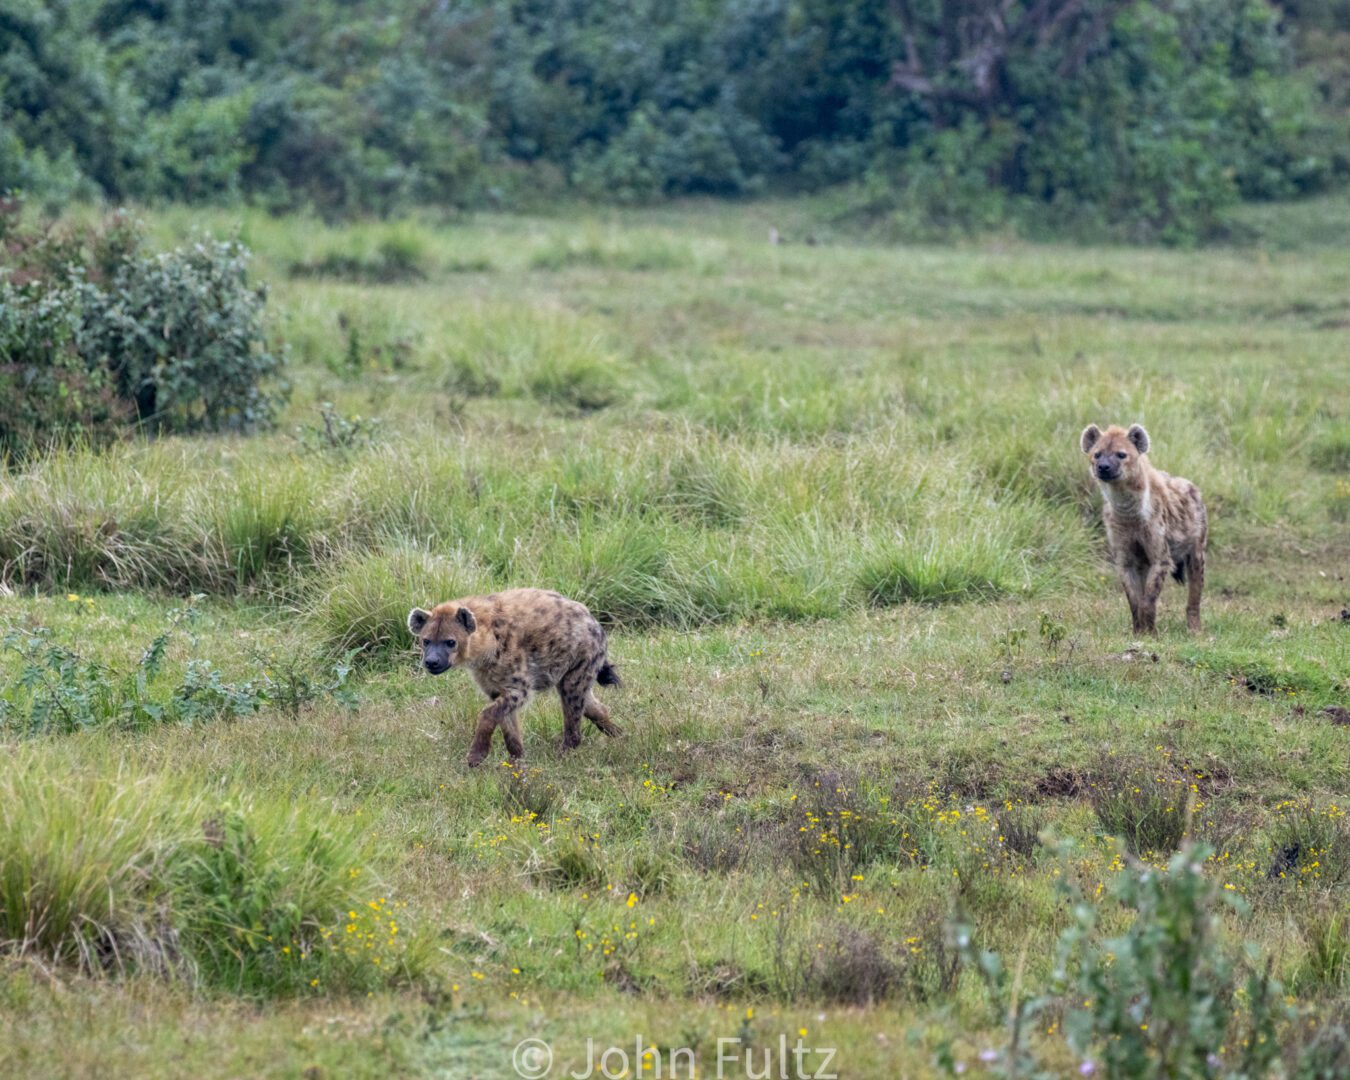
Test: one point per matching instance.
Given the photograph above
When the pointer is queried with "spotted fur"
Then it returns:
(1155, 523)
(515, 643)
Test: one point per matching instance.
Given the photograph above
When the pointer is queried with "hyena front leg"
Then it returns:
(1148, 604)
(1134, 589)
(504, 713)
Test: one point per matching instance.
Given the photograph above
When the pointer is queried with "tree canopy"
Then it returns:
(1149, 114)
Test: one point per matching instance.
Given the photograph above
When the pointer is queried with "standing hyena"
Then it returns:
(514, 643)
(1154, 522)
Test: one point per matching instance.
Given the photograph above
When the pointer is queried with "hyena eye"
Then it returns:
(451, 643)
(1120, 454)
(1097, 454)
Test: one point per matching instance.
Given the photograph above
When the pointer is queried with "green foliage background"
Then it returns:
(1175, 111)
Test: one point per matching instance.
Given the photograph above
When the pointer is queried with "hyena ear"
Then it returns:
(1089, 438)
(417, 621)
(1139, 437)
(465, 619)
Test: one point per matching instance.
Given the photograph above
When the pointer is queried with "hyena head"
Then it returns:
(444, 634)
(1116, 453)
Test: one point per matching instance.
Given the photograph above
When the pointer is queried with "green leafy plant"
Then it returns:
(57, 689)
(1167, 996)
(96, 332)
(337, 434)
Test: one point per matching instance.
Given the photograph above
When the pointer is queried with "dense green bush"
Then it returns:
(1146, 118)
(97, 333)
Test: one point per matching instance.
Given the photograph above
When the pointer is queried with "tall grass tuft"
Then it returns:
(362, 600)
(113, 520)
(551, 357)
(82, 859)
(110, 870)
(965, 544)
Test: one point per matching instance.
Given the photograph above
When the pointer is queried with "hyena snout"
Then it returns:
(1108, 469)
(436, 656)
(1109, 466)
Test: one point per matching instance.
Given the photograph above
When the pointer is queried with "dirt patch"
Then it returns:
(1338, 715)
(1061, 783)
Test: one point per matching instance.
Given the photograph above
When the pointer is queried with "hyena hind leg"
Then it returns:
(572, 689)
(598, 715)
(1195, 581)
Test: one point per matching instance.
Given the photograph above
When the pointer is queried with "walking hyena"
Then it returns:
(514, 643)
(1154, 522)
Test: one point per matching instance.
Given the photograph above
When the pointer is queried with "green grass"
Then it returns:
(829, 500)
(106, 868)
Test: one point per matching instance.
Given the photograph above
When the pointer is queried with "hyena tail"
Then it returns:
(607, 676)
(1179, 570)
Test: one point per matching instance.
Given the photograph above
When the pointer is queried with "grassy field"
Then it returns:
(884, 715)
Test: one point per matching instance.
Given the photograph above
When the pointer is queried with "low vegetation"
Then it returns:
(895, 775)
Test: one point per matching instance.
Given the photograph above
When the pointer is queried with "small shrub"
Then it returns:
(48, 391)
(339, 435)
(58, 690)
(371, 342)
(96, 332)
(1165, 995)
(290, 684)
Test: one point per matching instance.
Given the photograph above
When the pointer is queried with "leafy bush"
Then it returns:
(1145, 119)
(96, 332)
(1166, 997)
